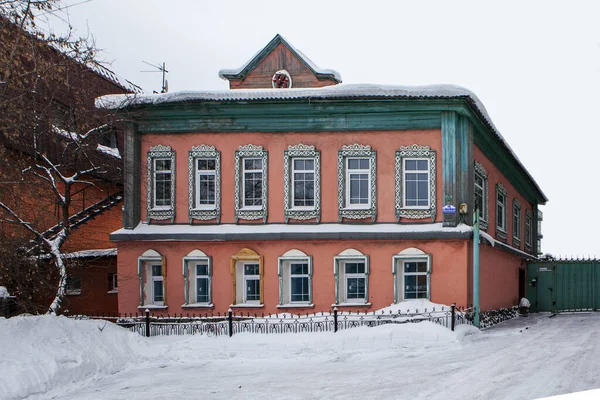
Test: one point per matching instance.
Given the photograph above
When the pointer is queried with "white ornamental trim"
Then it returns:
(417, 151)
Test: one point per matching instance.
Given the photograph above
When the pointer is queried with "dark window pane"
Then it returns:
(163, 165)
(299, 289)
(355, 288)
(299, 268)
(422, 165)
(309, 164)
(202, 269)
(252, 289)
(158, 290)
(250, 269)
(410, 165)
(353, 163)
(364, 163)
(157, 270)
(202, 290)
(355, 268)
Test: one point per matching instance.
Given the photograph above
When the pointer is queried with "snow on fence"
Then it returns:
(233, 322)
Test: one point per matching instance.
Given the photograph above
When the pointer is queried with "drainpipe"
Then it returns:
(476, 267)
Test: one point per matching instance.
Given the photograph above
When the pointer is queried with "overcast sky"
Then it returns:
(535, 66)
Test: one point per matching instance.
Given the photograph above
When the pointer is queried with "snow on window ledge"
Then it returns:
(246, 305)
(114, 291)
(153, 307)
(73, 292)
(351, 305)
(198, 305)
(296, 305)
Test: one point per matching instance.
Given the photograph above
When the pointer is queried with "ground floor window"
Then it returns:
(351, 271)
(152, 274)
(412, 275)
(247, 277)
(295, 279)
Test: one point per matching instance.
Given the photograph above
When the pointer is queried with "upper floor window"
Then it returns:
(516, 223)
(251, 183)
(415, 182)
(501, 211)
(357, 191)
(480, 189)
(204, 186)
(528, 231)
(358, 182)
(161, 183)
(301, 170)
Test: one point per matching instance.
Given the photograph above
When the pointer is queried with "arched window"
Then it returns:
(295, 279)
(152, 272)
(247, 273)
(351, 272)
(197, 275)
(412, 275)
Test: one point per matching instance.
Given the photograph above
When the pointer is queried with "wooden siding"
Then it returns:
(280, 58)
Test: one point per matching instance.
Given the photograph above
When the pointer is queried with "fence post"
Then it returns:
(452, 313)
(334, 319)
(147, 323)
(230, 321)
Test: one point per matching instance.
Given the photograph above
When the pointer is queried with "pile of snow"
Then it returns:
(40, 353)
(4, 292)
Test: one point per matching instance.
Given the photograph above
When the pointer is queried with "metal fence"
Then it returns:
(234, 323)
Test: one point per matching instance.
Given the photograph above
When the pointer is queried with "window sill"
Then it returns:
(165, 208)
(73, 292)
(243, 305)
(351, 305)
(363, 208)
(296, 305)
(153, 307)
(211, 208)
(198, 305)
(257, 208)
(115, 291)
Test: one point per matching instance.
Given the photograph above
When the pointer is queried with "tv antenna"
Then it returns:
(160, 68)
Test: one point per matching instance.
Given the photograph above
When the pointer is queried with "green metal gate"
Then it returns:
(564, 285)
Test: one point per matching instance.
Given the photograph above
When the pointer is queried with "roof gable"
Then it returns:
(290, 57)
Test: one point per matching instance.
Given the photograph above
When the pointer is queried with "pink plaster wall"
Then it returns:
(498, 278)
(385, 143)
(495, 176)
(448, 279)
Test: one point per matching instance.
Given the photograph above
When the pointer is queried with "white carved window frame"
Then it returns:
(250, 151)
(191, 260)
(283, 271)
(517, 234)
(203, 213)
(479, 170)
(351, 151)
(414, 151)
(159, 213)
(291, 212)
(502, 226)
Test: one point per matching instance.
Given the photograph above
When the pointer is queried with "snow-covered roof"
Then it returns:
(262, 53)
(92, 253)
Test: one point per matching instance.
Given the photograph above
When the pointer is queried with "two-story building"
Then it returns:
(292, 192)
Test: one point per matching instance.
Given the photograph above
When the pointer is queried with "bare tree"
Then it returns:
(49, 130)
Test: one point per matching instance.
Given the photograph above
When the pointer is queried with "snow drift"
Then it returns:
(40, 353)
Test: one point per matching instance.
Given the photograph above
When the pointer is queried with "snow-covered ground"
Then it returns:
(53, 357)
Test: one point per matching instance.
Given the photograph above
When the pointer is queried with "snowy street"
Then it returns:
(524, 358)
